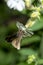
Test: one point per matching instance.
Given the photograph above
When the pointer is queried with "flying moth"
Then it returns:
(22, 32)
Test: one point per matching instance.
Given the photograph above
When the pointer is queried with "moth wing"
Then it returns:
(29, 31)
(27, 34)
(16, 44)
(20, 26)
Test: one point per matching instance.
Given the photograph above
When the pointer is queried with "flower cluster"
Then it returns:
(31, 58)
(35, 11)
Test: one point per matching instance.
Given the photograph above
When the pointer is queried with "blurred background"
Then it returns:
(31, 52)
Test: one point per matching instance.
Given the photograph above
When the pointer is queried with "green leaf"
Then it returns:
(40, 61)
(38, 24)
(22, 63)
(29, 40)
(27, 51)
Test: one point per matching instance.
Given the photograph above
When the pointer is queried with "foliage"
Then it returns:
(31, 52)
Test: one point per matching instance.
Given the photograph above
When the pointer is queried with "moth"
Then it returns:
(22, 32)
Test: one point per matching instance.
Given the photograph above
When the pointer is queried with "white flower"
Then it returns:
(41, 1)
(28, 3)
(16, 4)
(29, 23)
(35, 14)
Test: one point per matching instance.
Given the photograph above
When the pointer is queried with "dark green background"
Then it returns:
(29, 45)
